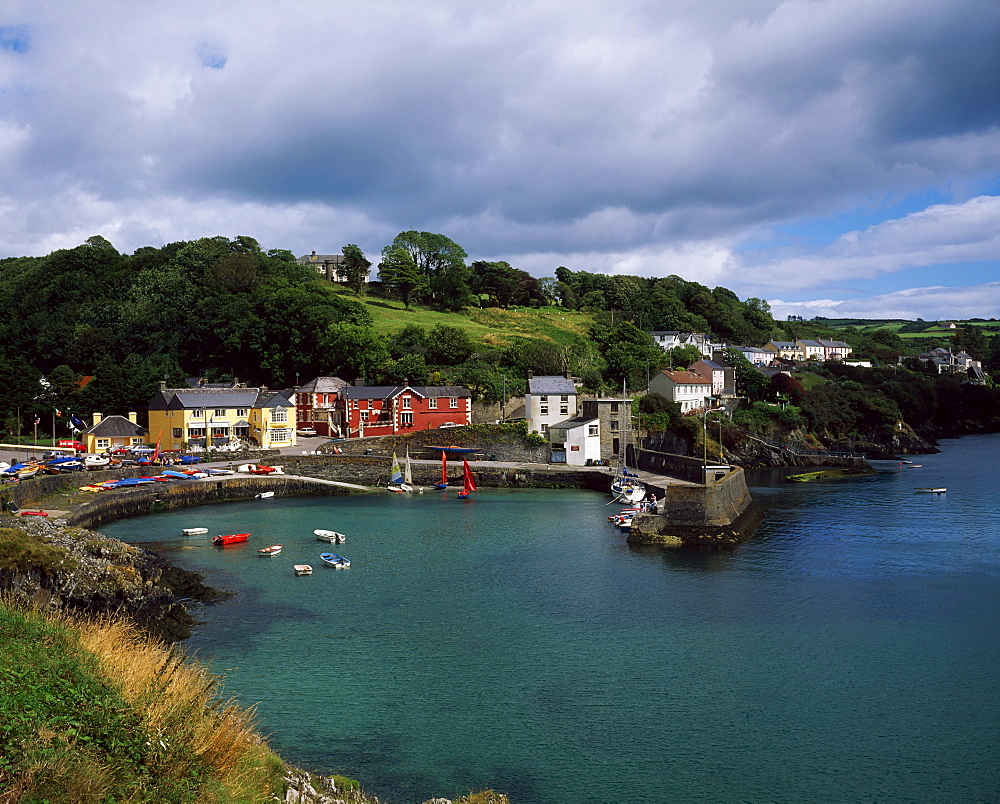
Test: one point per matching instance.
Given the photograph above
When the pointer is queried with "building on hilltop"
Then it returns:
(329, 266)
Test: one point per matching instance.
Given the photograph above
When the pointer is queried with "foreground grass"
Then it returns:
(99, 712)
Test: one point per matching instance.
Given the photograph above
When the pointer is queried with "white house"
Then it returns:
(757, 355)
(668, 339)
(549, 400)
(836, 350)
(813, 350)
(688, 389)
(576, 441)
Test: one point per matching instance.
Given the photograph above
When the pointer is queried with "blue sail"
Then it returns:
(396, 477)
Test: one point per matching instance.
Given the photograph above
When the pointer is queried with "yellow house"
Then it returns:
(183, 418)
(112, 432)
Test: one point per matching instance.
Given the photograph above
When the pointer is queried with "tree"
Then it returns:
(439, 260)
(448, 346)
(355, 268)
(683, 356)
(400, 274)
(497, 280)
(355, 351)
(750, 382)
(410, 340)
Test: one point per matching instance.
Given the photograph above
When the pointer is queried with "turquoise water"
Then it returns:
(514, 641)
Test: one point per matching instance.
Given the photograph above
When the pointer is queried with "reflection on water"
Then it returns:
(515, 641)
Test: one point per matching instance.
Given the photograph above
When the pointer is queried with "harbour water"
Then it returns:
(514, 641)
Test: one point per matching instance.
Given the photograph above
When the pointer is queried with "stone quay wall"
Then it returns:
(719, 514)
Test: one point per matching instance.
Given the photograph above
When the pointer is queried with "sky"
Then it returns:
(838, 158)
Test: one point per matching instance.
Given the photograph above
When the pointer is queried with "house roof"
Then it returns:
(116, 427)
(322, 385)
(189, 398)
(683, 377)
(812, 344)
(834, 344)
(551, 385)
(390, 391)
(783, 344)
(712, 364)
(272, 399)
(576, 421)
(318, 258)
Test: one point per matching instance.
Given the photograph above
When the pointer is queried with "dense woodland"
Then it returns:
(223, 308)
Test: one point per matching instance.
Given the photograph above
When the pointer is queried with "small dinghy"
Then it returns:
(931, 490)
(232, 538)
(273, 550)
(302, 569)
(194, 531)
(335, 561)
(264, 495)
(330, 536)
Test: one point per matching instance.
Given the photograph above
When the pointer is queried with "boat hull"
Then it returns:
(231, 538)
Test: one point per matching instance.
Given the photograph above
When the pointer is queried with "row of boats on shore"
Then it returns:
(329, 559)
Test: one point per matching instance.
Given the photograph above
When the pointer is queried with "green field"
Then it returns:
(492, 326)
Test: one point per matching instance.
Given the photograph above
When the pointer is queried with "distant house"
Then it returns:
(369, 410)
(717, 373)
(689, 389)
(318, 406)
(812, 350)
(836, 350)
(549, 400)
(789, 350)
(112, 432)
(668, 339)
(757, 355)
(948, 362)
(183, 418)
(613, 416)
(329, 266)
(576, 441)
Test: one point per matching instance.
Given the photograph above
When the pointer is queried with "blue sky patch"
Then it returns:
(14, 38)
(211, 57)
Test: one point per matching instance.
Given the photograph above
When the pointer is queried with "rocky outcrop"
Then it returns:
(95, 574)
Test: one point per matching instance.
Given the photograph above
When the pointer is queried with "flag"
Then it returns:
(38, 420)
(77, 423)
(58, 412)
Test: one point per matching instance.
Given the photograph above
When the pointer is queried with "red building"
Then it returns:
(317, 405)
(390, 409)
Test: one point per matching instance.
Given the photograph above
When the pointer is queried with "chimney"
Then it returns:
(406, 382)
(359, 382)
(97, 419)
(567, 374)
(531, 374)
(132, 417)
(163, 386)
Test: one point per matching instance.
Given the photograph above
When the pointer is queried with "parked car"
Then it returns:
(449, 424)
(50, 454)
(306, 431)
(69, 443)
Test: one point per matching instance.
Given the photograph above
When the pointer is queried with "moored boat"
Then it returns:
(330, 536)
(231, 538)
(930, 490)
(273, 550)
(302, 569)
(335, 561)
(264, 495)
(194, 531)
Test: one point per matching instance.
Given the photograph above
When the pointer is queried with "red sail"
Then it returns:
(470, 481)
(444, 468)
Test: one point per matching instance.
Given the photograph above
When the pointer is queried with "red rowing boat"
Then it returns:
(232, 538)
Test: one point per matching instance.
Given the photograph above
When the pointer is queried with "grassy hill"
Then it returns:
(491, 326)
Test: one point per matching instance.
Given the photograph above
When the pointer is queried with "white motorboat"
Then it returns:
(330, 536)
(931, 490)
(264, 495)
(194, 531)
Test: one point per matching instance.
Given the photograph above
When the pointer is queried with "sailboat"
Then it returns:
(408, 474)
(470, 481)
(626, 486)
(396, 480)
(444, 472)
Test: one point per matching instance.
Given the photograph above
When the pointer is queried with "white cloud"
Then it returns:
(930, 304)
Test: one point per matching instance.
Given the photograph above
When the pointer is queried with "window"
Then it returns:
(103, 443)
(197, 413)
(279, 436)
(545, 430)
(220, 412)
(543, 398)
(432, 403)
(564, 399)
(615, 446)
(543, 410)
(614, 407)
(454, 402)
(405, 419)
(614, 426)
(364, 416)
(279, 416)
(407, 402)
(241, 412)
(136, 442)
(593, 430)
(564, 410)
(176, 432)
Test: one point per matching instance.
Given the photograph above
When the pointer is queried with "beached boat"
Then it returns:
(930, 490)
(273, 550)
(231, 538)
(96, 461)
(194, 531)
(302, 569)
(397, 482)
(259, 469)
(330, 536)
(335, 561)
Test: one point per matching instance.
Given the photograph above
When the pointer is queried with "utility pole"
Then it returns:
(503, 401)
